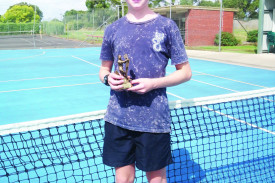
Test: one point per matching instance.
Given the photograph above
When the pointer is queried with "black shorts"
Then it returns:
(149, 151)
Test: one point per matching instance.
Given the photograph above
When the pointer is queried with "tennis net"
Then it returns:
(225, 138)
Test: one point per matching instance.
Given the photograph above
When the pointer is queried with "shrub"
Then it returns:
(252, 36)
(227, 39)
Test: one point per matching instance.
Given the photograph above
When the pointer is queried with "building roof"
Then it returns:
(185, 8)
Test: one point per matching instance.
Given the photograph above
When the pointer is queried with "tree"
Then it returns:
(186, 2)
(20, 14)
(247, 8)
(209, 3)
(74, 12)
(155, 3)
(38, 11)
(92, 4)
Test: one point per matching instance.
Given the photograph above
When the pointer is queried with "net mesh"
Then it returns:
(227, 138)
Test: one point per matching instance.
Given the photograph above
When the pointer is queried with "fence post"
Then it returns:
(220, 31)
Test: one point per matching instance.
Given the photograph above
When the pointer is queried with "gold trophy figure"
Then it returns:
(127, 84)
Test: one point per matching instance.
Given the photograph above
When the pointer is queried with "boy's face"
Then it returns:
(137, 4)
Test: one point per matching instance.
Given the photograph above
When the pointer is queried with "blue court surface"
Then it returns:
(39, 84)
(47, 83)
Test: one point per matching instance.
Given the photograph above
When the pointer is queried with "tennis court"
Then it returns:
(213, 141)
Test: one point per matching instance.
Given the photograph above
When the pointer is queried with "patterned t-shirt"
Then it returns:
(149, 46)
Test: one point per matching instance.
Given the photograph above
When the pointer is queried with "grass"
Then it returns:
(82, 35)
(240, 34)
(250, 49)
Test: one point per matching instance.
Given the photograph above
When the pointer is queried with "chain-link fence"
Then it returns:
(202, 27)
(8, 30)
(87, 26)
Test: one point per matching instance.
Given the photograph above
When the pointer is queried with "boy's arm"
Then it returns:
(182, 74)
(115, 81)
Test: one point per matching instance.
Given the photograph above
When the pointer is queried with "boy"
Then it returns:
(137, 128)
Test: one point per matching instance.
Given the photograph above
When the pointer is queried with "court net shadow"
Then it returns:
(184, 169)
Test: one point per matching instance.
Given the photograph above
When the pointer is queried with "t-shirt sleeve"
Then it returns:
(106, 48)
(176, 47)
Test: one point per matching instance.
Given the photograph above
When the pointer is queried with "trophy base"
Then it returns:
(126, 84)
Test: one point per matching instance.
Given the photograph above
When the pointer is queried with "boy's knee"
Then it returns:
(125, 179)
(125, 174)
(158, 176)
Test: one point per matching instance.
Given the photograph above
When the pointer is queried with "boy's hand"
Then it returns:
(115, 81)
(142, 85)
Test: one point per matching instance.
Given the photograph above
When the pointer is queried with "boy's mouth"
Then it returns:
(136, 1)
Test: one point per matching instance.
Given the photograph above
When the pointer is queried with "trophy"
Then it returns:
(127, 84)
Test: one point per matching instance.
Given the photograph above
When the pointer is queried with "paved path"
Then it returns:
(263, 61)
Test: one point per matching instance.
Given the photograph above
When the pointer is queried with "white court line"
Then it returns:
(214, 85)
(228, 116)
(230, 79)
(175, 95)
(48, 78)
(241, 121)
(6, 59)
(27, 41)
(226, 88)
(48, 43)
(198, 74)
(86, 61)
(49, 87)
(70, 55)
(202, 73)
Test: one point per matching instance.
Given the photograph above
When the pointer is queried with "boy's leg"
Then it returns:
(158, 176)
(153, 153)
(119, 152)
(125, 174)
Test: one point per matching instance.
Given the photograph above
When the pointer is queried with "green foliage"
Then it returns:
(247, 8)
(209, 3)
(227, 39)
(186, 2)
(20, 14)
(252, 36)
(92, 4)
(156, 3)
(13, 27)
(87, 20)
(38, 11)
(74, 12)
